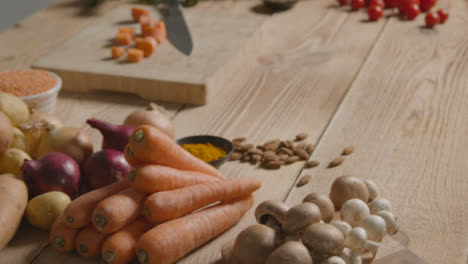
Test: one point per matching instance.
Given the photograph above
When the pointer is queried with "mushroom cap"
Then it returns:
(375, 227)
(300, 216)
(227, 251)
(344, 227)
(353, 211)
(334, 260)
(372, 188)
(271, 213)
(327, 208)
(323, 238)
(379, 204)
(254, 244)
(390, 221)
(356, 238)
(348, 187)
(290, 252)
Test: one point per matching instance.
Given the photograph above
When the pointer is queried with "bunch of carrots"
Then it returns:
(152, 34)
(155, 213)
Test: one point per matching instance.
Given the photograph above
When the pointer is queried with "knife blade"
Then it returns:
(177, 30)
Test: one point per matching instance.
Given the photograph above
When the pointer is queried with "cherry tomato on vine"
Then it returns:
(412, 11)
(443, 15)
(432, 19)
(426, 5)
(357, 4)
(375, 12)
(377, 2)
(391, 3)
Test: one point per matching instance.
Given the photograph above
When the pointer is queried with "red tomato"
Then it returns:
(375, 12)
(426, 5)
(377, 2)
(443, 15)
(343, 2)
(357, 4)
(432, 19)
(403, 4)
(391, 3)
(412, 11)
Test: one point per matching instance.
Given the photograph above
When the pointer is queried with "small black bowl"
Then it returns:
(219, 142)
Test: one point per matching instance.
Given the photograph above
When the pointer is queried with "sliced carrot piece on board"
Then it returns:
(160, 31)
(147, 45)
(135, 55)
(146, 20)
(128, 30)
(123, 38)
(138, 12)
(117, 52)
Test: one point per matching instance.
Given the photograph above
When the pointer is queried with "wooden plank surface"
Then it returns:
(84, 62)
(406, 114)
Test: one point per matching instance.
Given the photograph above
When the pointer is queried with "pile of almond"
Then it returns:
(274, 153)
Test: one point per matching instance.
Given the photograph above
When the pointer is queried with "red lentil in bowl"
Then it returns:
(26, 82)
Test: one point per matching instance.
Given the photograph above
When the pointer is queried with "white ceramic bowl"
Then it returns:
(45, 101)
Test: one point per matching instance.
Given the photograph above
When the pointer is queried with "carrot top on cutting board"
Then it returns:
(148, 145)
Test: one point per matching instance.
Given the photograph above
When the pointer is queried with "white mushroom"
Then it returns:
(372, 188)
(327, 209)
(334, 260)
(271, 213)
(375, 227)
(351, 256)
(380, 204)
(342, 226)
(347, 187)
(290, 252)
(390, 221)
(254, 244)
(323, 239)
(300, 216)
(356, 238)
(353, 211)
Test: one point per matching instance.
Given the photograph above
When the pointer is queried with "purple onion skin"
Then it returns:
(114, 136)
(52, 172)
(105, 167)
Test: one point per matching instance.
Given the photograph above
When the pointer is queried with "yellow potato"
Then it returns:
(13, 107)
(12, 160)
(19, 140)
(42, 210)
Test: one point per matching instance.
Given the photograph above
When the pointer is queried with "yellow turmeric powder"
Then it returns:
(206, 152)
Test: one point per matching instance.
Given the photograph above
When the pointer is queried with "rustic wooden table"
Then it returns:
(395, 90)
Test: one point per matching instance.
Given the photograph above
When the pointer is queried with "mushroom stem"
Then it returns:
(373, 247)
(351, 256)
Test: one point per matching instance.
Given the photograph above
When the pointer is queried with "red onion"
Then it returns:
(105, 167)
(115, 136)
(53, 172)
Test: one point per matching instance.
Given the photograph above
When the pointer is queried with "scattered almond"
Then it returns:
(301, 153)
(256, 157)
(269, 156)
(238, 140)
(283, 157)
(274, 164)
(311, 164)
(336, 162)
(286, 151)
(291, 159)
(262, 148)
(255, 151)
(348, 150)
(302, 145)
(272, 145)
(309, 148)
(235, 156)
(301, 136)
(304, 180)
(249, 146)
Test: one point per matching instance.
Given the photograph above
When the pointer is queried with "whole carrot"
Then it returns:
(61, 236)
(89, 241)
(168, 205)
(148, 145)
(79, 212)
(155, 178)
(118, 210)
(119, 248)
(170, 241)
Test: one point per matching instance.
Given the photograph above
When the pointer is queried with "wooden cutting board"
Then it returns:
(84, 61)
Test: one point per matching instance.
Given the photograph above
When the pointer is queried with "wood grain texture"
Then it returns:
(406, 114)
(84, 61)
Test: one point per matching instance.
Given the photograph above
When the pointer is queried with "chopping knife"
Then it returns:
(177, 30)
